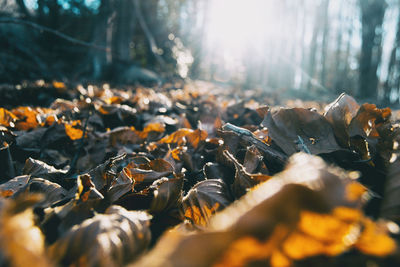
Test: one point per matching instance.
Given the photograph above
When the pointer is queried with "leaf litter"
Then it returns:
(192, 177)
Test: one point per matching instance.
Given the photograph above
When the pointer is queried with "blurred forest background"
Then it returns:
(310, 46)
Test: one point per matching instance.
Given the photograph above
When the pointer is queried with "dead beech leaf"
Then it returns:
(12, 186)
(181, 136)
(253, 161)
(145, 174)
(21, 241)
(110, 239)
(7, 118)
(167, 194)
(204, 199)
(340, 113)
(123, 135)
(103, 174)
(86, 189)
(152, 127)
(195, 137)
(390, 208)
(367, 119)
(37, 168)
(51, 192)
(27, 118)
(287, 125)
(72, 130)
(59, 85)
(120, 185)
(374, 240)
(243, 179)
(290, 217)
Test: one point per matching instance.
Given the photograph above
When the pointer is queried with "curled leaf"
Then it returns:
(12, 186)
(37, 168)
(51, 192)
(21, 241)
(204, 199)
(109, 239)
(167, 194)
(340, 113)
(243, 179)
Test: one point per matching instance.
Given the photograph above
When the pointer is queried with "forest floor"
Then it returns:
(195, 174)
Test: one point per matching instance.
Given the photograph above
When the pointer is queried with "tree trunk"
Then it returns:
(325, 36)
(338, 80)
(313, 48)
(393, 79)
(372, 14)
(100, 37)
(123, 30)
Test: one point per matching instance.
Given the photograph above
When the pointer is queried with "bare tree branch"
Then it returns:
(54, 32)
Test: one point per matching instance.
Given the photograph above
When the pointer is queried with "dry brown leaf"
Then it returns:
(21, 241)
(109, 239)
(287, 125)
(10, 187)
(290, 217)
(204, 199)
(340, 113)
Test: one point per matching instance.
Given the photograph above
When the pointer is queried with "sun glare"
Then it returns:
(237, 25)
(240, 29)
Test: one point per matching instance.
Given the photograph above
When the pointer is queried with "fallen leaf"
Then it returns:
(204, 199)
(109, 239)
(287, 125)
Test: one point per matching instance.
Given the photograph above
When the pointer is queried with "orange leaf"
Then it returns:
(196, 136)
(26, 118)
(201, 215)
(59, 85)
(73, 132)
(152, 127)
(7, 118)
(374, 240)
